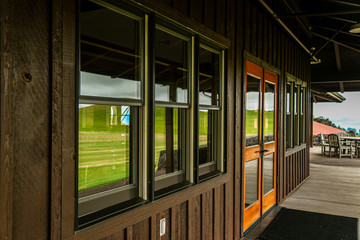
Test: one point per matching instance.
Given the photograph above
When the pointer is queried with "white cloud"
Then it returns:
(345, 114)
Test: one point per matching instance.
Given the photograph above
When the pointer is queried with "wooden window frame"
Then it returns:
(211, 169)
(96, 207)
(146, 179)
(295, 130)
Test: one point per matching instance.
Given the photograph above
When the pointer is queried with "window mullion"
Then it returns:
(194, 163)
(150, 98)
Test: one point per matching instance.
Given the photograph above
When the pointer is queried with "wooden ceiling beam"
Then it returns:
(332, 40)
(334, 81)
(342, 19)
(334, 30)
(341, 85)
(337, 57)
(346, 3)
(329, 40)
(321, 14)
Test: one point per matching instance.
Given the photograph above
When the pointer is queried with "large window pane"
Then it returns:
(172, 71)
(268, 173)
(269, 112)
(107, 152)
(209, 85)
(168, 152)
(251, 182)
(110, 53)
(252, 111)
(296, 115)
(169, 149)
(302, 116)
(289, 130)
(208, 126)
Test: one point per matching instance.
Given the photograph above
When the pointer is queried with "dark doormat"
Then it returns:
(292, 224)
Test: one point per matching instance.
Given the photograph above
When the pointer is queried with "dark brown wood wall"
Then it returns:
(38, 122)
(295, 170)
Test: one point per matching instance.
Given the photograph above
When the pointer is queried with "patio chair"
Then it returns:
(339, 148)
(324, 144)
(357, 149)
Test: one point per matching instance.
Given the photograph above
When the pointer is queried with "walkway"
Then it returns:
(333, 187)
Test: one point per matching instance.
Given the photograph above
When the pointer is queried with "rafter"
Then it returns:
(329, 40)
(346, 3)
(342, 19)
(332, 40)
(342, 32)
(319, 14)
(337, 57)
(341, 85)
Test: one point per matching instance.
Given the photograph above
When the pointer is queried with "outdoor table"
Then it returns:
(354, 139)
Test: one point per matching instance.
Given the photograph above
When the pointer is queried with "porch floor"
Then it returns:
(332, 188)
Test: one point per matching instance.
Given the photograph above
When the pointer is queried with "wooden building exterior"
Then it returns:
(38, 121)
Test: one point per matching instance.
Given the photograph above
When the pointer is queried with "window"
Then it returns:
(110, 98)
(302, 115)
(210, 111)
(289, 115)
(172, 75)
(295, 112)
(296, 115)
(150, 97)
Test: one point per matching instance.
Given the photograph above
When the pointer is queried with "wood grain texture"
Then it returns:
(195, 218)
(68, 121)
(168, 218)
(180, 219)
(220, 18)
(196, 11)
(25, 104)
(207, 210)
(209, 14)
(7, 110)
(56, 117)
(331, 189)
(141, 230)
(239, 123)
(37, 171)
(181, 6)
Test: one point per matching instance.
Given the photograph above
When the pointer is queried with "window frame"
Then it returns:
(211, 169)
(295, 123)
(96, 207)
(170, 182)
(146, 191)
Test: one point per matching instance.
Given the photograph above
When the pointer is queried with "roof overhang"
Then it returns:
(318, 95)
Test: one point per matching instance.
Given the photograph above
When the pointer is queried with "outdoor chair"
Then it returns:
(324, 144)
(336, 145)
(357, 149)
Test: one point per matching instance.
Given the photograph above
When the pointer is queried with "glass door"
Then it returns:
(260, 143)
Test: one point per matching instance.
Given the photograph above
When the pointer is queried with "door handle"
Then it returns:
(262, 151)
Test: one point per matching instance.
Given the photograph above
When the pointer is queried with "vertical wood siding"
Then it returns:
(37, 162)
(294, 171)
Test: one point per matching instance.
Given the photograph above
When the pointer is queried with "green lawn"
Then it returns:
(252, 121)
(103, 149)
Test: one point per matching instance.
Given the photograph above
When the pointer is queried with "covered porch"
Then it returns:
(332, 188)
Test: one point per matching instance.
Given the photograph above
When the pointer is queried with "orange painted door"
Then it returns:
(260, 143)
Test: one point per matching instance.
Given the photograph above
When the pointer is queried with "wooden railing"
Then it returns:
(293, 171)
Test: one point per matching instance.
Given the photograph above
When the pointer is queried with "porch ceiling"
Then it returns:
(328, 22)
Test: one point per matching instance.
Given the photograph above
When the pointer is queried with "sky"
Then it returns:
(345, 114)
